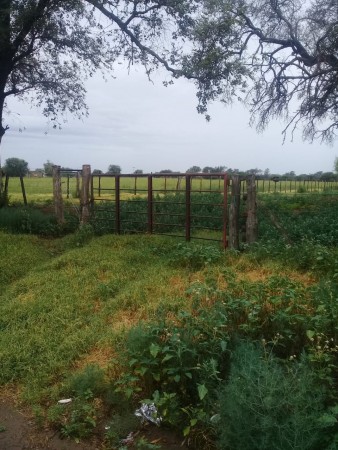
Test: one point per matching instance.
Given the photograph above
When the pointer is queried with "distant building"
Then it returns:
(38, 173)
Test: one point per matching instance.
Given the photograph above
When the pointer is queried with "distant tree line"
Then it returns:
(18, 167)
(266, 174)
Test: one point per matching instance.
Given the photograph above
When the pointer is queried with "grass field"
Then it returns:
(40, 190)
(228, 345)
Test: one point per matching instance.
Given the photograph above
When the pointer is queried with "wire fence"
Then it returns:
(185, 205)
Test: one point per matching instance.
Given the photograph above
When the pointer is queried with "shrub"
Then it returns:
(194, 256)
(28, 220)
(266, 406)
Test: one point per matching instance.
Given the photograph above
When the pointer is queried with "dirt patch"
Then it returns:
(19, 432)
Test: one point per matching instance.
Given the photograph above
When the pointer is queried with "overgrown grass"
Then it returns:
(209, 337)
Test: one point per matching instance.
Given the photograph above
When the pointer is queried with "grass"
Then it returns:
(69, 307)
(40, 190)
(58, 307)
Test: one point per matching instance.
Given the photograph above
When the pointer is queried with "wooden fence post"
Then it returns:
(57, 195)
(85, 193)
(187, 207)
(23, 191)
(251, 220)
(78, 190)
(6, 185)
(234, 213)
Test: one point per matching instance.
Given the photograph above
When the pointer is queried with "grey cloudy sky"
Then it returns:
(141, 125)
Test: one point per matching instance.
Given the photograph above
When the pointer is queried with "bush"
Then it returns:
(28, 220)
(265, 406)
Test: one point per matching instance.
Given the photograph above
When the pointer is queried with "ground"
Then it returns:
(19, 432)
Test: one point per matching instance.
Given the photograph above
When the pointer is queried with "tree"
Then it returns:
(15, 167)
(48, 168)
(194, 169)
(279, 56)
(336, 165)
(97, 172)
(113, 169)
(138, 172)
(47, 49)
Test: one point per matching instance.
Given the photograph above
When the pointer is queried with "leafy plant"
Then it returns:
(29, 221)
(193, 256)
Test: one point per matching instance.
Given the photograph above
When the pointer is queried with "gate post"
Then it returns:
(187, 207)
(57, 195)
(251, 220)
(150, 205)
(234, 213)
(85, 193)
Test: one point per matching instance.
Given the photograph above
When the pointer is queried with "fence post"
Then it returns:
(6, 185)
(150, 204)
(117, 205)
(187, 207)
(57, 195)
(251, 220)
(234, 213)
(78, 190)
(85, 193)
(23, 191)
(225, 210)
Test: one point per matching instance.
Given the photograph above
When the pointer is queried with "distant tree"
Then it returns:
(266, 173)
(138, 172)
(317, 175)
(166, 171)
(113, 169)
(15, 167)
(97, 172)
(302, 177)
(194, 169)
(328, 176)
(48, 168)
(254, 171)
(207, 169)
(216, 169)
(289, 175)
(219, 169)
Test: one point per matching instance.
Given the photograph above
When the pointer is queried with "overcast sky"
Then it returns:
(141, 125)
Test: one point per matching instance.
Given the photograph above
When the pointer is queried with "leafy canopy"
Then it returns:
(47, 49)
(279, 56)
(15, 167)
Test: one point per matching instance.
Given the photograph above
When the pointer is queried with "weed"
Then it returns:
(265, 406)
(194, 256)
(29, 221)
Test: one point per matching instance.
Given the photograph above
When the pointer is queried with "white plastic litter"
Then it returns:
(148, 413)
(64, 401)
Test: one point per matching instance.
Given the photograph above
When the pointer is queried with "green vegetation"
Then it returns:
(236, 350)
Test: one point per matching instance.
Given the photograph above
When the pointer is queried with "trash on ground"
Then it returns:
(129, 440)
(64, 401)
(148, 413)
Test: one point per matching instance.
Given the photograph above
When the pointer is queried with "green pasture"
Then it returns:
(40, 190)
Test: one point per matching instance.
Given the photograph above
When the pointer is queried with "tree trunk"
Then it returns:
(5, 65)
